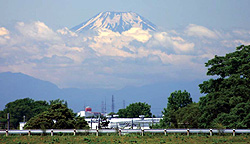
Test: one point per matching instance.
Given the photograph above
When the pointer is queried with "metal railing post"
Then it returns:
(74, 132)
(51, 132)
(7, 133)
(29, 133)
(142, 132)
(165, 131)
(97, 132)
(211, 132)
(187, 132)
(120, 131)
(233, 132)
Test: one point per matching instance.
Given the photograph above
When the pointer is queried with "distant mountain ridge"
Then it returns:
(115, 21)
(15, 86)
(18, 85)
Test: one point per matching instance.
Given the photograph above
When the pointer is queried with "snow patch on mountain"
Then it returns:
(116, 22)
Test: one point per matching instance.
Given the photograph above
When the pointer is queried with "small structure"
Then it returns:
(21, 125)
(88, 113)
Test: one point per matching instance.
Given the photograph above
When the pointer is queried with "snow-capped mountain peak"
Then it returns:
(115, 21)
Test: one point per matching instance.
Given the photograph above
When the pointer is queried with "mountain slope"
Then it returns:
(17, 86)
(115, 21)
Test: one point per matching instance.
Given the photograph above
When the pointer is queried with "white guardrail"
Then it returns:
(124, 131)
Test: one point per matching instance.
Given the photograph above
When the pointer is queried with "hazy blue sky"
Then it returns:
(223, 14)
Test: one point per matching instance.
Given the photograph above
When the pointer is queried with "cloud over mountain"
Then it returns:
(113, 50)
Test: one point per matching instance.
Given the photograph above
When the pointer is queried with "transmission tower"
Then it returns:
(113, 104)
(102, 107)
(123, 104)
(105, 108)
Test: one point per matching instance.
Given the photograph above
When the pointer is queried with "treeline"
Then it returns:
(226, 103)
(41, 115)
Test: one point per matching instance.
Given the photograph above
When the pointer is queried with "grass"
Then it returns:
(127, 139)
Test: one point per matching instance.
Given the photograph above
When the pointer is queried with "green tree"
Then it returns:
(229, 88)
(58, 116)
(177, 100)
(188, 117)
(238, 117)
(58, 101)
(22, 107)
(122, 113)
(134, 110)
(3, 120)
(81, 123)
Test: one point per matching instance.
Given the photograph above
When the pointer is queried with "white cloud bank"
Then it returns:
(200, 31)
(37, 31)
(4, 35)
(106, 59)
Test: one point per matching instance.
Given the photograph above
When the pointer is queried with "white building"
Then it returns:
(93, 119)
(125, 123)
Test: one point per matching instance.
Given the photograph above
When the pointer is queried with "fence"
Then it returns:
(126, 131)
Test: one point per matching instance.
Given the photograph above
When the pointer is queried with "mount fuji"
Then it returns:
(116, 22)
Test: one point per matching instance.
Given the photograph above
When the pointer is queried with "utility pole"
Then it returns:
(8, 121)
(113, 105)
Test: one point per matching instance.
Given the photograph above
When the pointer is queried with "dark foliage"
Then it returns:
(228, 93)
(134, 110)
